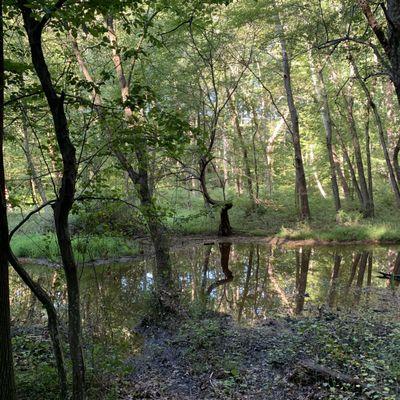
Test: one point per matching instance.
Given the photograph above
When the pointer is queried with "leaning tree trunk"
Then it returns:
(7, 383)
(225, 228)
(381, 131)
(390, 39)
(294, 129)
(65, 200)
(52, 322)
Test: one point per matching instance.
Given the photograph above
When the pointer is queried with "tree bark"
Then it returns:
(381, 131)
(342, 177)
(367, 204)
(225, 228)
(37, 182)
(140, 178)
(396, 164)
(351, 170)
(390, 39)
(322, 97)
(369, 159)
(243, 147)
(294, 129)
(65, 200)
(7, 382)
(52, 322)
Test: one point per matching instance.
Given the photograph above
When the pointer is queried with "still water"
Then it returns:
(245, 280)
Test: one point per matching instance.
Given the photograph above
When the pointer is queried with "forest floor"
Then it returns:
(208, 356)
(328, 356)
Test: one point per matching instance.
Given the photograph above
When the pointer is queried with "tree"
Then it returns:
(301, 183)
(388, 40)
(62, 206)
(7, 387)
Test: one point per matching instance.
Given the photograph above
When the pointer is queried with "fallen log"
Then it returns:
(386, 275)
(307, 371)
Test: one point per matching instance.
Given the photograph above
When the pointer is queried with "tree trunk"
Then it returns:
(255, 158)
(7, 383)
(65, 200)
(163, 272)
(52, 322)
(243, 147)
(225, 159)
(225, 228)
(381, 131)
(163, 277)
(367, 204)
(322, 97)
(396, 164)
(368, 157)
(351, 170)
(390, 39)
(29, 159)
(341, 176)
(294, 129)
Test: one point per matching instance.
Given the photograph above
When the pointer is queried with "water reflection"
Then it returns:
(247, 281)
(225, 250)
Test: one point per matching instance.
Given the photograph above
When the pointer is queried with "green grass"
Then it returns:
(344, 233)
(85, 247)
(278, 217)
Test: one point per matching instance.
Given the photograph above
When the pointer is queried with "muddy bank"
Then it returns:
(284, 358)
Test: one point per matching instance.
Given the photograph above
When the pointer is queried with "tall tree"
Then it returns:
(7, 383)
(301, 183)
(62, 206)
(322, 98)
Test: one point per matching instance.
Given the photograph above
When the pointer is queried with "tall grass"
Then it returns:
(36, 245)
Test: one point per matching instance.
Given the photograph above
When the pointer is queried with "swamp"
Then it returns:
(199, 200)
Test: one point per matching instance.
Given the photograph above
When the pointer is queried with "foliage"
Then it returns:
(86, 248)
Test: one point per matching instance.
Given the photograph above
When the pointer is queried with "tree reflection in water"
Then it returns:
(249, 281)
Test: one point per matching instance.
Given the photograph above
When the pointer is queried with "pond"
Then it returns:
(251, 282)
(245, 280)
